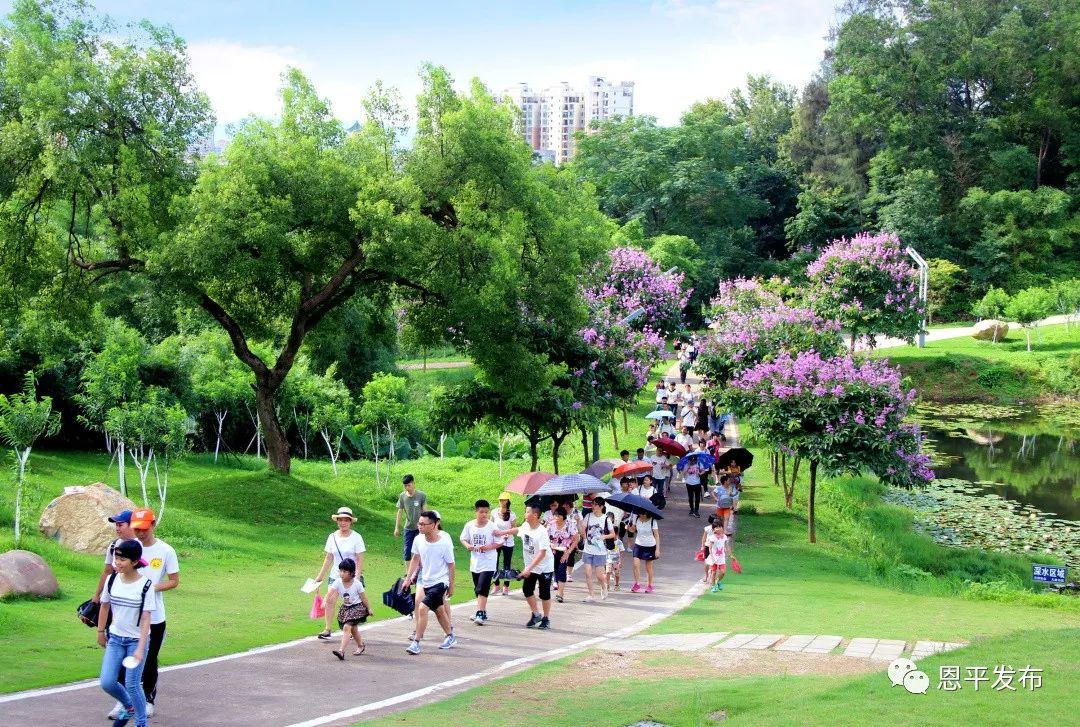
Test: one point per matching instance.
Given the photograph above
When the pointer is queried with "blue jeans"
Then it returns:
(658, 483)
(410, 536)
(130, 693)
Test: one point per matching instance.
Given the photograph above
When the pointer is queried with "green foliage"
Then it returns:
(23, 420)
(824, 214)
(946, 296)
(1028, 307)
(993, 304)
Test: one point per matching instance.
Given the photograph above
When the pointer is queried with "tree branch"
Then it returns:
(236, 335)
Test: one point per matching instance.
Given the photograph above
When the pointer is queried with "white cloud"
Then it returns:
(242, 79)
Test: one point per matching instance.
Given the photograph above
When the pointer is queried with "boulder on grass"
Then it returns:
(79, 519)
(25, 573)
(990, 330)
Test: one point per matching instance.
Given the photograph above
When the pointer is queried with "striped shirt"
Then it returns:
(124, 599)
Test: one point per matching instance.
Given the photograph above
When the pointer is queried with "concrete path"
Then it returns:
(301, 683)
(942, 334)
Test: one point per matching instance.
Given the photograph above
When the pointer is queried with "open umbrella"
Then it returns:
(669, 446)
(736, 455)
(705, 460)
(571, 485)
(636, 504)
(660, 414)
(601, 467)
(544, 501)
(528, 483)
(631, 469)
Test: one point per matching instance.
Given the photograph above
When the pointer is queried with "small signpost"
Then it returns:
(1053, 574)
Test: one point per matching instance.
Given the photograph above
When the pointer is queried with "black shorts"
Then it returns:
(435, 595)
(528, 587)
(481, 582)
(645, 552)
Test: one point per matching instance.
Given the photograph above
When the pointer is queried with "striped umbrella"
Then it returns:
(572, 484)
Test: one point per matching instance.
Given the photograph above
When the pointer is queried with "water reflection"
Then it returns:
(1013, 459)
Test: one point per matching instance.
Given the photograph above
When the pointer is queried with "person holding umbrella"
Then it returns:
(599, 533)
(564, 538)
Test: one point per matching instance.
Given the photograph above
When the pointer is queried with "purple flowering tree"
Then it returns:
(629, 279)
(867, 283)
(842, 414)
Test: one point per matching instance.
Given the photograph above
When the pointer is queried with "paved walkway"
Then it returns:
(301, 683)
(942, 334)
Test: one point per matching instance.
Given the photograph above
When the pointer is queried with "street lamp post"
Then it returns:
(924, 286)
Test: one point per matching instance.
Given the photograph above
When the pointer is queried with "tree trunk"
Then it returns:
(614, 431)
(585, 447)
(625, 422)
(162, 488)
(277, 445)
(789, 489)
(329, 448)
(21, 458)
(556, 442)
(120, 463)
(534, 455)
(810, 523)
(783, 469)
(220, 416)
(1027, 333)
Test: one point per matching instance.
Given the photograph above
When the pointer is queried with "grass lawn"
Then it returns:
(242, 534)
(963, 369)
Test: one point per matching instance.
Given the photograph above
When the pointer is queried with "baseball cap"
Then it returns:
(124, 516)
(142, 518)
(132, 550)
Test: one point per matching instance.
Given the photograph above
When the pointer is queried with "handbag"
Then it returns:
(318, 610)
(399, 598)
(88, 612)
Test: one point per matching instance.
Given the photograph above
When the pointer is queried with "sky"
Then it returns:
(676, 51)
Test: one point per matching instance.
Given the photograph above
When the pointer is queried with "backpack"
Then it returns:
(142, 598)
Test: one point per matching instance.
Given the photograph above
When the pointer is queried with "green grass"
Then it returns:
(542, 695)
(963, 369)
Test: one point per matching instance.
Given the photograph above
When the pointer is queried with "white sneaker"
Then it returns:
(413, 648)
(149, 709)
(116, 710)
(448, 642)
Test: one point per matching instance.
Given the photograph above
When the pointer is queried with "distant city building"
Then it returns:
(207, 145)
(551, 117)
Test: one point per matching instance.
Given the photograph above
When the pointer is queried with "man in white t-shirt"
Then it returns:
(163, 570)
(122, 521)
(661, 468)
(432, 567)
(341, 544)
(539, 566)
(478, 537)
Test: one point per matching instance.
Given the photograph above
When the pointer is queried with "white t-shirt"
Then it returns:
(109, 552)
(685, 440)
(659, 466)
(161, 561)
(646, 532)
(533, 540)
(594, 533)
(716, 548)
(342, 548)
(436, 559)
(351, 594)
(476, 536)
(123, 599)
(661, 393)
(646, 492)
(500, 524)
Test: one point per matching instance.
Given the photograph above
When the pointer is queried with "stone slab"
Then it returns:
(765, 641)
(796, 643)
(888, 649)
(861, 647)
(737, 641)
(664, 642)
(823, 644)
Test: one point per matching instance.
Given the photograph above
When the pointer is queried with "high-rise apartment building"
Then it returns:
(551, 117)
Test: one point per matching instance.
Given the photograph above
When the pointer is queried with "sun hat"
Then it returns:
(124, 516)
(343, 512)
(132, 550)
(142, 518)
(504, 495)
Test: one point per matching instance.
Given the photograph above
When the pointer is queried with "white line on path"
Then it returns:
(88, 683)
(693, 592)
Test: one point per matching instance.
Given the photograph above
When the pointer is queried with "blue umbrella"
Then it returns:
(660, 414)
(635, 504)
(705, 460)
(572, 484)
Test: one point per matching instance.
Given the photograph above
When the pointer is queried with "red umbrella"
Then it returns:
(669, 446)
(631, 469)
(529, 482)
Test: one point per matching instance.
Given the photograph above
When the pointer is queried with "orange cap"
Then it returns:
(142, 518)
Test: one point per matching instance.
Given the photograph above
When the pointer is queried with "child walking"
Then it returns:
(717, 558)
(355, 607)
(130, 598)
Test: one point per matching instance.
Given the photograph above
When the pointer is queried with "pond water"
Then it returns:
(1037, 466)
(1008, 479)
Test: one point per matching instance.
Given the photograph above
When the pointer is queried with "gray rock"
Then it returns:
(26, 573)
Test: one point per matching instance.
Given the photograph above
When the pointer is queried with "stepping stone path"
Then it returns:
(865, 648)
(664, 642)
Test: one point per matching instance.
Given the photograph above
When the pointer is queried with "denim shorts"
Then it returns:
(596, 561)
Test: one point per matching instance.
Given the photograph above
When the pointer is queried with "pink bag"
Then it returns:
(735, 565)
(317, 608)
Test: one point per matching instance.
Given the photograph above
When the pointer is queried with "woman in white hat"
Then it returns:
(341, 544)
